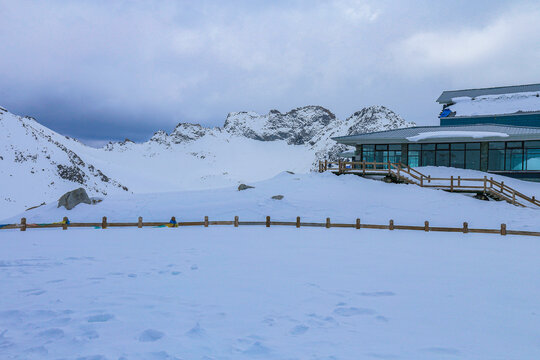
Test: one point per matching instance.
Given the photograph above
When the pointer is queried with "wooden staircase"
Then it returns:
(404, 173)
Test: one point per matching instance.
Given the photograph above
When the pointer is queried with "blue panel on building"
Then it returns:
(529, 120)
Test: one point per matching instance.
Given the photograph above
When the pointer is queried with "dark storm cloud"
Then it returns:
(111, 70)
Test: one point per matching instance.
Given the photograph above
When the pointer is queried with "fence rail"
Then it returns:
(409, 175)
(104, 224)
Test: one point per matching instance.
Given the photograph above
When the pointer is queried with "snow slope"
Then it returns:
(38, 165)
(314, 197)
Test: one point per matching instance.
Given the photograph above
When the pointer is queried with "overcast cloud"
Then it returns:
(108, 70)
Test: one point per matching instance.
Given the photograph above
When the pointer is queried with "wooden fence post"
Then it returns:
(465, 227)
(23, 224)
(104, 222)
(236, 221)
(491, 182)
(268, 221)
(358, 223)
(451, 183)
(421, 181)
(502, 186)
(426, 225)
(64, 223)
(485, 184)
(503, 229)
(513, 197)
(206, 221)
(139, 223)
(298, 221)
(325, 165)
(327, 223)
(391, 225)
(459, 181)
(364, 167)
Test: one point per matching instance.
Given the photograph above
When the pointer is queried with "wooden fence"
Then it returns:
(104, 224)
(405, 173)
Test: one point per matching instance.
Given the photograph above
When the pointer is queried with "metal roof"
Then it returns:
(399, 136)
(446, 96)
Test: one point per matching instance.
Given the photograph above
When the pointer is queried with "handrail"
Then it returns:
(399, 170)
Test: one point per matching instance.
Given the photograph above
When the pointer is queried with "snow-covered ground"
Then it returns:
(258, 293)
(314, 197)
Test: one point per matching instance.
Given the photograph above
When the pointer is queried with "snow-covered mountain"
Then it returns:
(38, 165)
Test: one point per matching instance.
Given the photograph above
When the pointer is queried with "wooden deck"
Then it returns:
(404, 173)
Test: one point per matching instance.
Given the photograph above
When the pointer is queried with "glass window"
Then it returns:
(496, 158)
(428, 146)
(394, 156)
(532, 144)
(514, 144)
(428, 157)
(472, 159)
(532, 159)
(381, 147)
(443, 146)
(415, 147)
(514, 159)
(368, 153)
(496, 145)
(457, 159)
(443, 158)
(457, 146)
(394, 147)
(473, 146)
(414, 158)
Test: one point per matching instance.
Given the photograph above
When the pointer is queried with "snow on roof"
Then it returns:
(496, 104)
(402, 135)
(446, 96)
(456, 134)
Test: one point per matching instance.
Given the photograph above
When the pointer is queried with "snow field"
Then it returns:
(251, 292)
(313, 197)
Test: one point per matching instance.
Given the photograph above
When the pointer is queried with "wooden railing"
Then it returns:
(410, 175)
(104, 224)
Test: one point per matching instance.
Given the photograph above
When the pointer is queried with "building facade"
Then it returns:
(493, 143)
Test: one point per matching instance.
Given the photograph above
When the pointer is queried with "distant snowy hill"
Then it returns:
(38, 165)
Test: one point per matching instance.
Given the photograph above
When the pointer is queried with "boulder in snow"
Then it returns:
(244, 187)
(277, 197)
(73, 198)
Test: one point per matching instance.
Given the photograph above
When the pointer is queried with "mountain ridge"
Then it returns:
(248, 147)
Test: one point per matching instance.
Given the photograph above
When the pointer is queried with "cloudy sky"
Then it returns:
(105, 69)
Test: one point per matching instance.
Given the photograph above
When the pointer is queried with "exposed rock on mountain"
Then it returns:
(297, 127)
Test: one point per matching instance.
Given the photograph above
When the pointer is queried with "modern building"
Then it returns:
(468, 141)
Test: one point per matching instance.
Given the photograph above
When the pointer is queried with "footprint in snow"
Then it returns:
(196, 332)
(257, 349)
(100, 318)
(353, 311)
(378, 293)
(52, 334)
(299, 330)
(150, 335)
